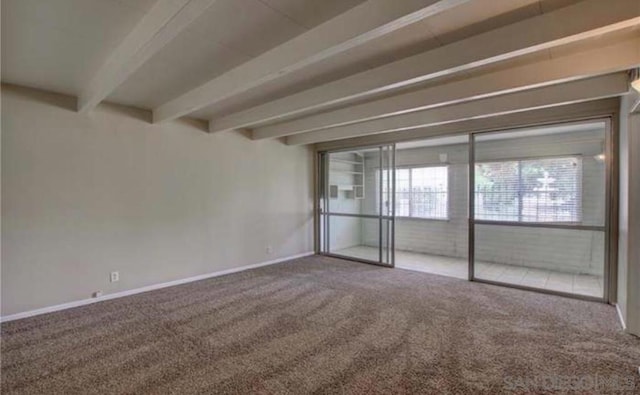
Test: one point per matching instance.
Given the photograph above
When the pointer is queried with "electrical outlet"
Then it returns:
(97, 294)
(115, 277)
(269, 249)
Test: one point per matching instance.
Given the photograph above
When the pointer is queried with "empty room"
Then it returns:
(320, 197)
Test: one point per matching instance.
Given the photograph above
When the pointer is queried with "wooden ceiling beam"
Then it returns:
(164, 21)
(585, 64)
(362, 24)
(584, 20)
(571, 92)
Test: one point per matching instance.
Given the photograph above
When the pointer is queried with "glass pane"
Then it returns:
(565, 260)
(550, 174)
(421, 192)
(547, 174)
(355, 237)
(346, 182)
(429, 189)
(536, 190)
(354, 181)
(359, 184)
(431, 230)
(403, 193)
(378, 182)
(496, 196)
(385, 199)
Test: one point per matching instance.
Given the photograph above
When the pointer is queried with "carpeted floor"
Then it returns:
(323, 325)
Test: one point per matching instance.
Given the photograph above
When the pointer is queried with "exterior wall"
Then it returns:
(563, 250)
(84, 195)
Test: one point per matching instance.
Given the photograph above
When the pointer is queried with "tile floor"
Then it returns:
(581, 284)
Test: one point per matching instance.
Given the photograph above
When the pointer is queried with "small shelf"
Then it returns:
(353, 191)
(348, 176)
(333, 191)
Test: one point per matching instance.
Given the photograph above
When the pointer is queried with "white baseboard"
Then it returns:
(621, 317)
(152, 287)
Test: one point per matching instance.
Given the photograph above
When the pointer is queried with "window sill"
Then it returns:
(424, 219)
(525, 223)
(556, 225)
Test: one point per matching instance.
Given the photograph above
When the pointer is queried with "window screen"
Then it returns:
(421, 192)
(532, 190)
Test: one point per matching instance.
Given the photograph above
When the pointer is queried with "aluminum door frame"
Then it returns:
(610, 211)
(323, 227)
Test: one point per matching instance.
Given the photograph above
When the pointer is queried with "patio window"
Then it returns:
(421, 192)
(531, 190)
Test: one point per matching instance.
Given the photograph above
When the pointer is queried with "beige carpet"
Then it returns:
(323, 325)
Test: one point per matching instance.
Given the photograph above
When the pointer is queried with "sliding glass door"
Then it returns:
(356, 207)
(539, 202)
(528, 208)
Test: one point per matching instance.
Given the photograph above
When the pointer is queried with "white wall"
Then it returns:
(633, 268)
(623, 208)
(563, 250)
(629, 224)
(84, 195)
